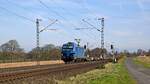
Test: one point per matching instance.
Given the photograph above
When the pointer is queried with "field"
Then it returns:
(144, 61)
(112, 74)
(33, 63)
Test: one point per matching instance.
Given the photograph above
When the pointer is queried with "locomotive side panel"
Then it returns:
(79, 52)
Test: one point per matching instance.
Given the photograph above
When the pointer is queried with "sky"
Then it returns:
(127, 22)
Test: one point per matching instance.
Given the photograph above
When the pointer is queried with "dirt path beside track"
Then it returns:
(141, 74)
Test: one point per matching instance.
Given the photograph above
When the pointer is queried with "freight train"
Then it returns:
(73, 52)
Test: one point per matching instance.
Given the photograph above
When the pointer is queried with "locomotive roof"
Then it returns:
(72, 43)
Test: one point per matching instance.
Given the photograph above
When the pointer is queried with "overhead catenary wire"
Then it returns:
(91, 11)
(42, 3)
(18, 15)
(84, 5)
(12, 3)
(86, 21)
(89, 35)
(20, 6)
(62, 8)
(75, 26)
(102, 29)
(24, 17)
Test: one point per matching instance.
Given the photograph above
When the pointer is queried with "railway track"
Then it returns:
(16, 75)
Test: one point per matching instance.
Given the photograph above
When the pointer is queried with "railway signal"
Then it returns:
(113, 53)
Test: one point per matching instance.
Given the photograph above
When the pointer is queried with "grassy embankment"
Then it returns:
(112, 74)
(144, 61)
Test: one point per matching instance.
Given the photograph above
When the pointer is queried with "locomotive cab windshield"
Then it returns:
(67, 47)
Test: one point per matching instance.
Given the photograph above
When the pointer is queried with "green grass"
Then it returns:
(112, 74)
(144, 61)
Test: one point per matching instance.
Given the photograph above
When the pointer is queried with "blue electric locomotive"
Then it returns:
(72, 52)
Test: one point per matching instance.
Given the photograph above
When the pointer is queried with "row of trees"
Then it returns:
(11, 52)
(47, 52)
(139, 52)
(10, 46)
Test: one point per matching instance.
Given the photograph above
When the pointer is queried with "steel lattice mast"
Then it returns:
(102, 37)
